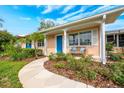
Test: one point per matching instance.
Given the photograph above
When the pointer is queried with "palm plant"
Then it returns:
(1, 24)
(36, 37)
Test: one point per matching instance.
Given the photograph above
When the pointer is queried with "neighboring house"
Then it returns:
(116, 36)
(86, 35)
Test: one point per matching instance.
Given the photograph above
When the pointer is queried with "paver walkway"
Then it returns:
(34, 75)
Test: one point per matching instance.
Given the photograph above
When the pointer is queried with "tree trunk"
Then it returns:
(35, 47)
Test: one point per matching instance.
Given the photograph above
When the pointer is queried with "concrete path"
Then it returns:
(34, 75)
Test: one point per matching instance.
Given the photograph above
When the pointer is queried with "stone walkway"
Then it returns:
(34, 75)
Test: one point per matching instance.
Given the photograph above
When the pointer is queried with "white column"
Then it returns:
(65, 41)
(45, 46)
(117, 40)
(102, 41)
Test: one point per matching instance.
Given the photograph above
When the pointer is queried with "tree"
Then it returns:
(5, 38)
(36, 37)
(44, 24)
(1, 20)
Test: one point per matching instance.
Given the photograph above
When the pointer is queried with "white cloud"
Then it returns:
(25, 18)
(50, 8)
(118, 24)
(90, 13)
(82, 9)
(67, 8)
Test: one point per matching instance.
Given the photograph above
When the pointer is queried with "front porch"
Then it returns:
(83, 36)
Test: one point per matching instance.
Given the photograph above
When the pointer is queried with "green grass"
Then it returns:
(9, 74)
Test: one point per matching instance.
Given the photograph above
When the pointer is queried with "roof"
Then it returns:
(115, 31)
(110, 17)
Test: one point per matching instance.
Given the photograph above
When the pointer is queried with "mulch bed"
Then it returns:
(100, 82)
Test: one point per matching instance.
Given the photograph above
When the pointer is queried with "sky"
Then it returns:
(25, 19)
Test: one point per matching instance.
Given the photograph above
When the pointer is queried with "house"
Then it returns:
(86, 35)
(116, 36)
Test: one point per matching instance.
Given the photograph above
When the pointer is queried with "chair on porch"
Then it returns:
(73, 50)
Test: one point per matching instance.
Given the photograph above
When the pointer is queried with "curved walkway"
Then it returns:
(34, 75)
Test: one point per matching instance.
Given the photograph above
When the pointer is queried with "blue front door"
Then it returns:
(28, 45)
(59, 44)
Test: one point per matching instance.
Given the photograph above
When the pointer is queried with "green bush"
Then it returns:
(52, 57)
(28, 52)
(115, 57)
(59, 65)
(104, 71)
(61, 57)
(87, 73)
(117, 73)
(89, 58)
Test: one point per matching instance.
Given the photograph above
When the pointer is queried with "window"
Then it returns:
(121, 40)
(85, 38)
(73, 39)
(112, 38)
(40, 43)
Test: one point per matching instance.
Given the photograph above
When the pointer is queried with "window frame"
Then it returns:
(87, 31)
(41, 43)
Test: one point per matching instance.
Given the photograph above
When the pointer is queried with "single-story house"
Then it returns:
(86, 35)
(116, 36)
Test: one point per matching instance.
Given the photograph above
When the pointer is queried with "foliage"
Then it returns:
(115, 57)
(59, 65)
(52, 57)
(5, 38)
(44, 24)
(117, 73)
(60, 57)
(36, 37)
(9, 74)
(109, 47)
(89, 58)
(17, 53)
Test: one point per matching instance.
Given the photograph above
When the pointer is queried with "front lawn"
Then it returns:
(9, 73)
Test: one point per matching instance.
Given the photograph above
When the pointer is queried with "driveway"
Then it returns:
(34, 75)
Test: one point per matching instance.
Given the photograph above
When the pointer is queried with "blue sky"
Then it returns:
(25, 19)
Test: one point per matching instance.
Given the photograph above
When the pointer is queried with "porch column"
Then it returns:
(102, 41)
(45, 46)
(117, 40)
(65, 41)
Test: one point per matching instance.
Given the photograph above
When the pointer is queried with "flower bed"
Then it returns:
(87, 71)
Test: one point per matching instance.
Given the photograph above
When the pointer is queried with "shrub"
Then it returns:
(115, 57)
(87, 73)
(71, 62)
(59, 65)
(61, 57)
(28, 52)
(104, 71)
(117, 73)
(89, 58)
(109, 47)
(52, 57)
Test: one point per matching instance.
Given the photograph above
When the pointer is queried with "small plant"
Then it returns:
(52, 57)
(117, 73)
(89, 58)
(59, 65)
(115, 57)
(61, 57)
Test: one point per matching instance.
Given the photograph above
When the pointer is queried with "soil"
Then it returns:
(100, 82)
